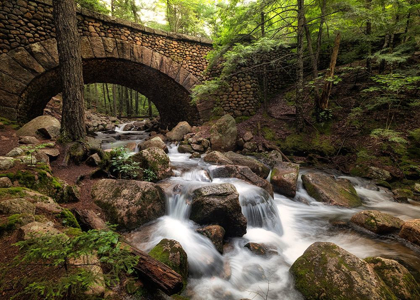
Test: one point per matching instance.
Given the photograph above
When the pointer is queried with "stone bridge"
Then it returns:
(162, 66)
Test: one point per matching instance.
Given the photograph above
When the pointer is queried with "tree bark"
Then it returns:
(368, 33)
(114, 98)
(300, 122)
(321, 25)
(323, 105)
(71, 70)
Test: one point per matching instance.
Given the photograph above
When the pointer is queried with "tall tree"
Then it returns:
(300, 122)
(71, 70)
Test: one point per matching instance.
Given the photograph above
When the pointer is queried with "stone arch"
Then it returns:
(31, 77)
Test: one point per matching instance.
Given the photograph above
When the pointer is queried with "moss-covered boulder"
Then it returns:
(284, 178)
(14, 222)
(129, 203)
(155, 160)
(396, 277)
(34, 229)
(410, 231)
(5, 182)
(223, 134)
(330, 190)
(219, 204)
(6, 163)
(171, 253)
(256, 166)
(377, 222)
(215, 234)
(326, 271)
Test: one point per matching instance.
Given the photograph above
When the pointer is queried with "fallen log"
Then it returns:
(88, 219)
(157, 273)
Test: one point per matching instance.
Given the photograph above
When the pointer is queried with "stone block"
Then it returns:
(97, 47)
(124, 50)
(42, 56)
(146, 56)
(11, 67)
(26, 60)
(51, 47)
(110, 47)
(86, 48)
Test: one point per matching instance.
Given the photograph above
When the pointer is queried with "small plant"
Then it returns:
(149, 175)
(123, 164)
(75, 256)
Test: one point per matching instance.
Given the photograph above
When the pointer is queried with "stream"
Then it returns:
(286, 226)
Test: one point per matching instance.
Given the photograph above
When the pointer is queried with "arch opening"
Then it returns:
(171, 99)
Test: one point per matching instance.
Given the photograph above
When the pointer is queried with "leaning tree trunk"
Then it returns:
(71, 70)
(300, 122)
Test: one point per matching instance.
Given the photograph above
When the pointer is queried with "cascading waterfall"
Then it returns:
(286, 227)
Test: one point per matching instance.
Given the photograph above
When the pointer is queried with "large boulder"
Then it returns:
(326, 271)
(411, 231)
(215, 234)
(5, 182)
(377, 222)
(217, 158)
(223, 134)
(243, 173)
(34, 229)
(219, 204)
(171, 253)
(330, 190)
(256, 166)
(154, 142)
(284, 178)
(396, 277)
(42, 127)
(129, 203)
(156, 160)
(178, 132)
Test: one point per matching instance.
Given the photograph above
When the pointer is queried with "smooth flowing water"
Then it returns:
(286, 226)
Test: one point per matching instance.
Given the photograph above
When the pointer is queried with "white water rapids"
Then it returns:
(286, 226)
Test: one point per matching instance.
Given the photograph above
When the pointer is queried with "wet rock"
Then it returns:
(410, 231)
(250, 147)
(6, 163)
(219, 204)
(47, 124)
(34, 229)
(15, 152)
(28, 140)
(377, 222)
(131, 147)
(129, 203)
(171, 253)
(178, 132)
(243, 173)
(156, 160)
(94, 160)
(128, 127)
(253, 273)
(215, 233)
(154, 142)
(223, 134)
(284, 178)
(218, 158)
(16, 206)
(396, 277)
(5, 182)
(185, 148)
(326, 271)
(332, 191)
(256, 166)
(256, 248)
(195, 155)
(402, 195)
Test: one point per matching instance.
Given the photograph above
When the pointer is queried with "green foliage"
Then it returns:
(70, 254)
(68, 219)
(207, 91)
(122, 164)
(149, 175)
(388, 135)
(95, 5)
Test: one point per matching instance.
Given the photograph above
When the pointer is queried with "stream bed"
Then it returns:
(286, 226)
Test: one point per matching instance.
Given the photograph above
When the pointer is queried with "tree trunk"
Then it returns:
(103, 90)
(368, 33)
(137, 103)
(300, 122)
(323, 105)
(96, 97)
(311, 50)
(114, 98)
(71, 70)
(150, 108)
(321, 25)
